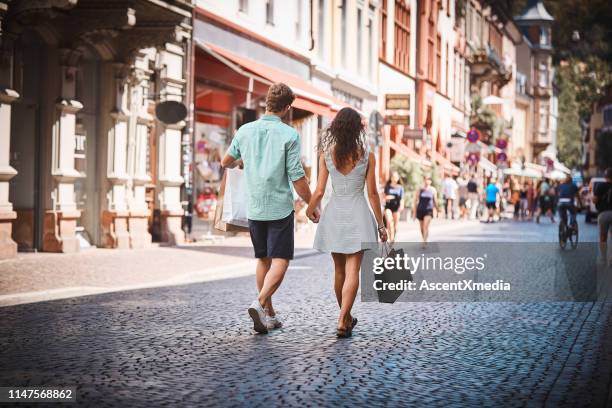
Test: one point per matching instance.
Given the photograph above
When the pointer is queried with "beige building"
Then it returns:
(83, 159)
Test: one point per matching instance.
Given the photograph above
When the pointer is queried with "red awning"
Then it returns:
(308, 97)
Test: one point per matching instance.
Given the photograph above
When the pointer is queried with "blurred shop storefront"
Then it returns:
(84, 161)
(234, 68)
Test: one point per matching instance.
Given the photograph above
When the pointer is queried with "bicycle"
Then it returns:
(567, 232)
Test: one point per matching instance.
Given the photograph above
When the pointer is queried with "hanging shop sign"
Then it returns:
(473, 135)
(413, 134)
(397, 101)
(397, 120)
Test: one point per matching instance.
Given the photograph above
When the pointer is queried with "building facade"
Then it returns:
(84, 159)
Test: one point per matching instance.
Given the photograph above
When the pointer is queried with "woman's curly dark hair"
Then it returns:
(344, 137)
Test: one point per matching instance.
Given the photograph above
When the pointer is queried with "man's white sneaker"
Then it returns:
(273, 322)
(259, 317)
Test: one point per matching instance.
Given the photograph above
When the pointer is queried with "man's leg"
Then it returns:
(280, 246)
(263, 266)
(273, 279)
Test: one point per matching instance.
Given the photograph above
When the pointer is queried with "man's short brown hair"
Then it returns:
(279, 96)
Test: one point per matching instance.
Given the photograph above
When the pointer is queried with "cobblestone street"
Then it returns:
(193, 345)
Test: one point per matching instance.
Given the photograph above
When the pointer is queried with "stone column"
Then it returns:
(138, 145)
(59, 230)
(171, 85)
(115, 232)
(8, 247)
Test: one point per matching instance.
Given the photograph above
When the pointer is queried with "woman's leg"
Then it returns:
(395, 223)
(422, 227)
(426, 221)
(390, 225)
(339, 275)
(349, 289)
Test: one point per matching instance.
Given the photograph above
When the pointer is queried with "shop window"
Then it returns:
(270, 12)
(321, 28)
(243, 5)
(383, 30)
(344, 29)
(359, 39)
(401, 58)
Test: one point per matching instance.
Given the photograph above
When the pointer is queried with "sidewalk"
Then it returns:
(34, 277)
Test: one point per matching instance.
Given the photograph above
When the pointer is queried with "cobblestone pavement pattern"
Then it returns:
(193, 345)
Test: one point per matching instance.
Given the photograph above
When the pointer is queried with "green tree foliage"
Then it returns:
(411, 175)
(569, 143)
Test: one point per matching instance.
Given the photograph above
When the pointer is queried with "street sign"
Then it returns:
(473, 158)
(397, 120)
(501, 143)
(473, 135)
(398, 101)
(502, 157)
(413, 134)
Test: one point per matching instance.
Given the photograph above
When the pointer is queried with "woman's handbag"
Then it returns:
(391, 275)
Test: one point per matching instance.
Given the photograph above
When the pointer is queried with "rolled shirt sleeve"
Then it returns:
(295, 170)
(234, 149)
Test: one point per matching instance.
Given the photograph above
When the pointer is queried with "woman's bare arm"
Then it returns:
(315, 199)
(373, 189)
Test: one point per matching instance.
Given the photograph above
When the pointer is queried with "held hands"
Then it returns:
(382, 233)
(313, 214)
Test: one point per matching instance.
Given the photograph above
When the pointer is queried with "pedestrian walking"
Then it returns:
(394, 203)
(462, 192)
(347, 221)
(449, 192)
(425, 206)
(473, 201)
(546, 201)
(270, 153)
(524, 201)
(492, 194)
(602, 197)
(532, 199)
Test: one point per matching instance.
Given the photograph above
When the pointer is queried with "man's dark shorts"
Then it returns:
(273, 239)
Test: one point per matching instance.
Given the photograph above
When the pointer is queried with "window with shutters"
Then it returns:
(401, 58)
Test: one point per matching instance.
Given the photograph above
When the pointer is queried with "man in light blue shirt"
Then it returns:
(270, 152)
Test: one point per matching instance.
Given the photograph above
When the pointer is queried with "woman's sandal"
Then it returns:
(346, 332)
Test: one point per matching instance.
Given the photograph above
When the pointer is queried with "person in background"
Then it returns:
(524, 201)
(532, 199)
(515, 197)
(425, 207)
(492, 194)
(270, 153)
(602, 197)
(567, 192)
(462, 191)
(473, 202)
(544, 201)
(394, 203)
(449, 193)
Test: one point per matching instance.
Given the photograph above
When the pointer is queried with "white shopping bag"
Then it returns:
(235, 199)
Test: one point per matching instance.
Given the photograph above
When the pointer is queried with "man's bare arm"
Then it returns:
(302, 188)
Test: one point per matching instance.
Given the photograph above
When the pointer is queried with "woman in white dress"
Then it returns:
(347, 221)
